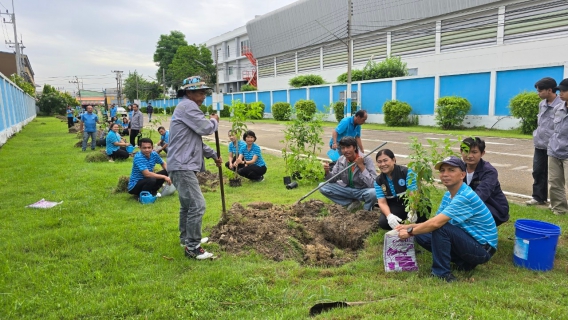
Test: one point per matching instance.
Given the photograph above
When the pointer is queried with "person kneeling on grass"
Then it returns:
(463, 230)
(250, 156)
(234, 146)
(355, 184)
(390, 187)
(164, 140)
(115, 144)
(143, 177)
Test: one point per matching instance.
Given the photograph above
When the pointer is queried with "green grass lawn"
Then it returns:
(471, 132)
(103, 255)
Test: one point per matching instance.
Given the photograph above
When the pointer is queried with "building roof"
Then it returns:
(311, 22)
(91, 93)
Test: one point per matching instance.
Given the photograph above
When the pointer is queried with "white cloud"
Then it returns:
(64, 38)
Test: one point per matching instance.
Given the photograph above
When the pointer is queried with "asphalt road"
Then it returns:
(511, 157)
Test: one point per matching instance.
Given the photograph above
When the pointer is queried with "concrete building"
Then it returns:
(484, 50)
(8, 66)
(235, 68)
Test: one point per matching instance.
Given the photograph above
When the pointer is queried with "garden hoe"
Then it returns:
(337, 174)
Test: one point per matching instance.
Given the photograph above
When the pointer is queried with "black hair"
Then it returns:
(161, 128)
(249, 133)
(386, 152)
(545, 84)
(360, 113)
(471, 142)
(112, 125)
(348, 141)
(145, 140)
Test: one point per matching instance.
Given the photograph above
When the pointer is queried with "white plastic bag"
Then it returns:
(168, 190)
(399, 253)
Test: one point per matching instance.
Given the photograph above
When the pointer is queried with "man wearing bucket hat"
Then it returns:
(463, 230)
(558, 154)
(186, 151)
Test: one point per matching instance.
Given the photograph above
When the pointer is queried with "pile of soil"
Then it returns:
(96, 157)
(208, 181)
(312, 233)
(122, 185)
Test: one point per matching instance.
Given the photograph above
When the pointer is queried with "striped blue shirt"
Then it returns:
(410, 184)
(468, 212)
(141, 163)
(111, 138)
(232, 148)
(254, 151)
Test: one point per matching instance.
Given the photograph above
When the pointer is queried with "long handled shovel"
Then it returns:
(337, 174)
(222, 187)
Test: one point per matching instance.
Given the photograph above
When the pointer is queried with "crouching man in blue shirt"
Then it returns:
(143, 177)
(463, 230)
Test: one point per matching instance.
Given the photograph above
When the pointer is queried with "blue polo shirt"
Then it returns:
(89, 121)
(141, 163)
(111, 138)
(130, 114)
(232, 148)
(166, 137)
(254, 151)
(410, 184)
(346, 128)
(69, 113)
(113, 111)
(468, 212)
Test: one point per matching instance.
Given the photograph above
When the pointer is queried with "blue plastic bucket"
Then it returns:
(535, 244)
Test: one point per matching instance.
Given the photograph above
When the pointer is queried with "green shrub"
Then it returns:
(170, 110)
(397, 113)
(391, 67)
(256, 115)
(339, 109)
(143, 109)
(305, 109)
(451, 111)
(281, 111)
(306, 80)
(226, 112)
(525, 107)
(248, 87)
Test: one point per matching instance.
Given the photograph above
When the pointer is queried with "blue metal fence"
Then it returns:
(16, 109)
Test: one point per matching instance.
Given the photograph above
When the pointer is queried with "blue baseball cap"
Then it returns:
(452, 161)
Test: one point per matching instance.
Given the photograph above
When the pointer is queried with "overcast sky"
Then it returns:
(88, 39)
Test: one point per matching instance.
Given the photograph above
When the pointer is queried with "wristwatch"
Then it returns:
(409, 231)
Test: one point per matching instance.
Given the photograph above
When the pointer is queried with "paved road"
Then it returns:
(511, 157)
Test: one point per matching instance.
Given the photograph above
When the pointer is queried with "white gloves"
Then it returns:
(393, 220)
(412, 216)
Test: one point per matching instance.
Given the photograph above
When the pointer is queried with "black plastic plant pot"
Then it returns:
(287, 180)
(292, 185)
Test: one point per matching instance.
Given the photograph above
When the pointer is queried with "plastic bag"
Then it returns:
(168, 190)
(399, 253)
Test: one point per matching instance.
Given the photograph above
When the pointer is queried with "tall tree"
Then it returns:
(166, 49)
(146, 90)
(189, 61)
(23, 84)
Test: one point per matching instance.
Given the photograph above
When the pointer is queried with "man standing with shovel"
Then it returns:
(185, 158)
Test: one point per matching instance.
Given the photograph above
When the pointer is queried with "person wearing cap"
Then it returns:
(390, 187)
(462, 231)
(149, 111)
(349, 127)
(355, 184)
(186, 151)
(558, 154)
(546, 88)
(483, 178)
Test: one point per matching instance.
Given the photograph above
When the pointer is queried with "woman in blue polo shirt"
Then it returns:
(250, 157)
(114, 143)
(391, 186)
(234, 146)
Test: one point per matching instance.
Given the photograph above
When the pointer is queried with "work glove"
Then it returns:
(412, 216)
(393, 221)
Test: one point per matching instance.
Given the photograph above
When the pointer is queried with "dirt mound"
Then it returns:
(208, 181)
(313, 233)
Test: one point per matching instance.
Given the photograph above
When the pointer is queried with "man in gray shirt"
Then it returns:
(185, 158)
(136, 124)
(546, 88)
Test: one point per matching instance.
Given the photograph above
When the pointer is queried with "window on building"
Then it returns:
(230, 70)
(245, 46)
(218, 54)
(228, 51)
(413, 71)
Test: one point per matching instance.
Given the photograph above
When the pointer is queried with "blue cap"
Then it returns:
(452, 161)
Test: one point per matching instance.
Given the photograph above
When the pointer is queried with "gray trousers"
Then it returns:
(86, 136)
(192, 207)
(557, 178)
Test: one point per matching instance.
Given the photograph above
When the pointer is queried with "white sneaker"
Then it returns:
(533, 202)
(197, 253)
(203, 240)
(158, 195)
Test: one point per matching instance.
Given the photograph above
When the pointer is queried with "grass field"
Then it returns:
(102, 255)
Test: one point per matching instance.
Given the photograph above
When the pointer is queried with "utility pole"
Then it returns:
(164, 80)
(16, 44)
(77, 82)
(136, 73)
(118, 87)
(349, 60)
